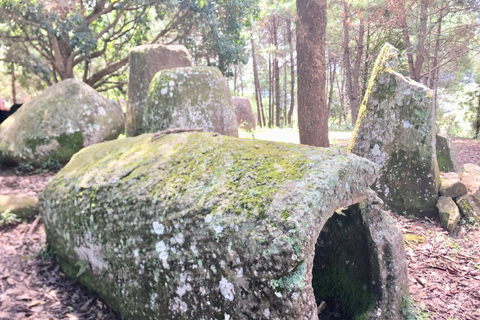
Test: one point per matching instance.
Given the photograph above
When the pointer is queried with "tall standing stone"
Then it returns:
(244, 113)
(196, 97)
(445, 154)
(145, 62)
(395, 129)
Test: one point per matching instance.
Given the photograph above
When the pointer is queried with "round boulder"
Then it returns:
(57, 123)
(244, 113)
(196, 97)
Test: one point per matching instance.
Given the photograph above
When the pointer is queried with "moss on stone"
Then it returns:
(69, 143)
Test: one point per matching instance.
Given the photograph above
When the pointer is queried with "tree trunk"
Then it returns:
(477, 121)
(355, 106)
(331, 82)
(346, 63)
(312, 109)
(235, 70)
(258, 92)
(276, 73)
(292, 71)
(270, 91)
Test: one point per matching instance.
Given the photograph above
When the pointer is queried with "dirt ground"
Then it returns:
(443, 269)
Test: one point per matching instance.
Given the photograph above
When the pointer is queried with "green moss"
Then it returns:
(69, 145)
(387, 57)
(338, 284)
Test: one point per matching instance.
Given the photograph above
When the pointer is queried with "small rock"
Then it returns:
(449, 213)
(22, 206)
(469, 203)
(452, 187)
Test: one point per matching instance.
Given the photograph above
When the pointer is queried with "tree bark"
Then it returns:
(292, 71)
(276, 73)
(477, 121)
(258, 92)
(312, 109)
(270, 91)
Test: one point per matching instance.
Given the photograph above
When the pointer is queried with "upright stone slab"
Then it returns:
(445, 154)
(57, 123)
(244, 113)
(205, 226)
(395, 130)
(145, 62)
(196, 97)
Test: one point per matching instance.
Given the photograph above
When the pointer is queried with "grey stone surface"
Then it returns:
(445, 154)
(23, 206)
(449, 213)
(59, 122)
(205, 226)
(469, 203)
(145, 62)
(395, 130)
(244, 113)
(451, 186)
(196, 97)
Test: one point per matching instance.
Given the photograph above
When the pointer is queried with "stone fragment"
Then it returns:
(196, 97)
(395, 130)
(57, 123)
(145, 62)
(196, 225)
(469, 203)
(445, 154)
(451, 186)
(22, 206)
(449, 213)
(244, 113)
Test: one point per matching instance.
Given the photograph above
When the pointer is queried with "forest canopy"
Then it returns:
(90, 39)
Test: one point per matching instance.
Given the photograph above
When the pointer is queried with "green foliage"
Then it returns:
(23, 168)
(411, 313)
(49, 165)
(46, 252)
(8, 218)
(56, 40)
(83, 266)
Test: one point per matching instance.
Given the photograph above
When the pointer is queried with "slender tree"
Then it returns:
(312, 109)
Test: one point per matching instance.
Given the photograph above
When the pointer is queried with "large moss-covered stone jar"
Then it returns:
(57, 123)
(205, 226)
(196, 97)
(145, 62)
(395, 129)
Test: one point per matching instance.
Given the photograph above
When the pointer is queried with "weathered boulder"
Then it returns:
(57, 123)
(244, 113)
(205, 226)
(449, 213)
(445, 155)
(23, 206)
(195, 97)
(469, 203)
(451, 186)
(145, 62)
(395, 130)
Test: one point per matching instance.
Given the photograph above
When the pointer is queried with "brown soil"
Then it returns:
(443, 269)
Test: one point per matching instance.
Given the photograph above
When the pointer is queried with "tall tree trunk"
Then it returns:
(421, 53)
(331, 82)
(241, 78)
(292, 71)
(436, 69)
(477, 122)
(312, 108)
(235, 80)
(270, 91)
(352, 79)
(258, 91)
(276, 68)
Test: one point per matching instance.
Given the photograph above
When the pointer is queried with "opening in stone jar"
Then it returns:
(343, 279)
